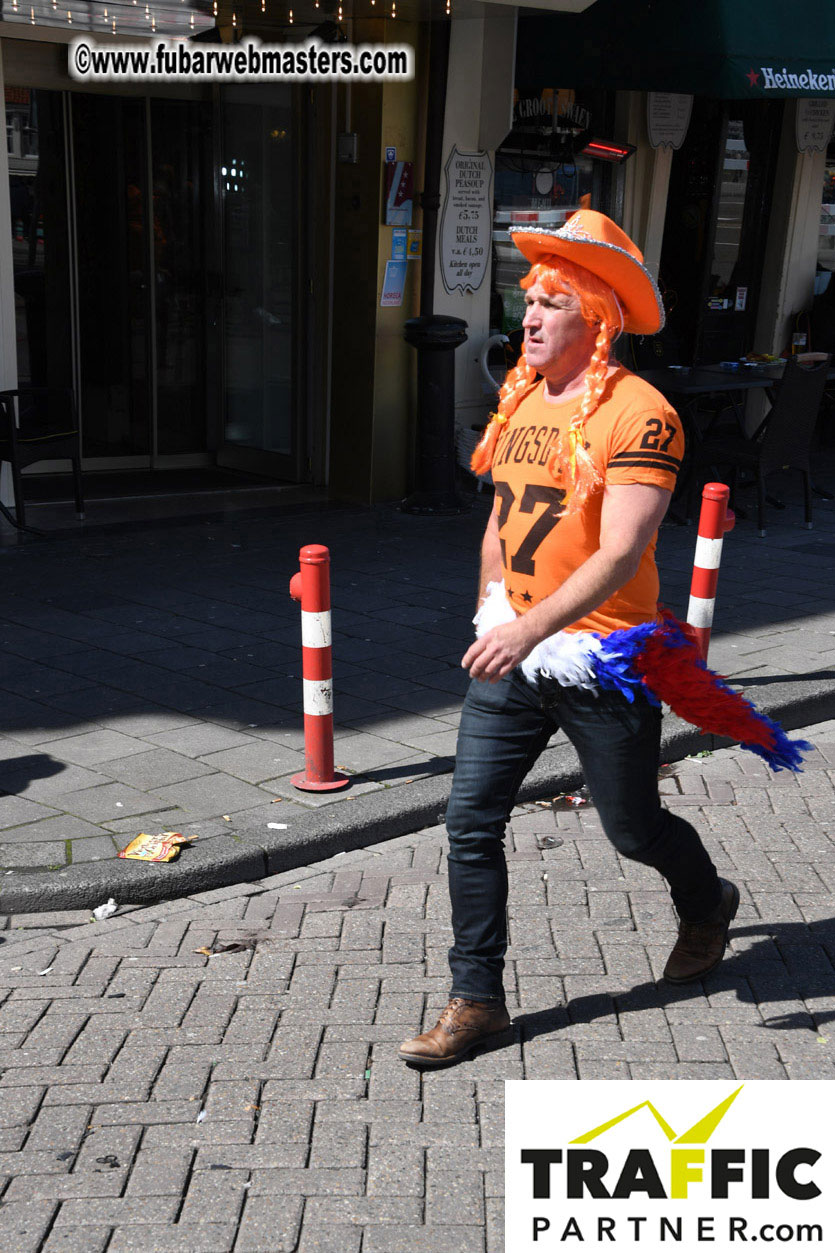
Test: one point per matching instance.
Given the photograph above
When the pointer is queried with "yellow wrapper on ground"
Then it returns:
(162, 847)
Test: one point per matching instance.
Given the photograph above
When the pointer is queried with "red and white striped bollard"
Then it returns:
(714, 520)
(311, 586)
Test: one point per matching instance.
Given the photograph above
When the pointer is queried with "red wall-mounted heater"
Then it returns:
(608, 150)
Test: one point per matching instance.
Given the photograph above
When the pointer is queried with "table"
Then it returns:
(711, 380)
(707, 380)
(684, 387)
(702, 380)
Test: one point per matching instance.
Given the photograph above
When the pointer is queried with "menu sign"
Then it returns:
(466, 221)
(814, 121)
(668, 117)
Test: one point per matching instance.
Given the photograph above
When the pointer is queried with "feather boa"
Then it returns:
(661, 661)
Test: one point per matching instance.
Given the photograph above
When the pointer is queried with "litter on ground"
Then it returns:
(105, 911)
(235, 946)
(164, 846)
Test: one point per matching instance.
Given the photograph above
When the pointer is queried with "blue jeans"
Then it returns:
(504, 728)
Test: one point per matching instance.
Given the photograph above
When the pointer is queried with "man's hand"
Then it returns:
(499, 651)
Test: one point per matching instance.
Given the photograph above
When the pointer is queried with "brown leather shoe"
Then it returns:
(462, 1026)
(701, 945)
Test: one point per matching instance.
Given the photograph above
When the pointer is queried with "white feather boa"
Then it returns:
(565, 656)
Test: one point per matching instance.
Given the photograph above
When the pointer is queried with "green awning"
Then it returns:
(728, 49)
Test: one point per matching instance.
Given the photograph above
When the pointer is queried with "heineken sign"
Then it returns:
(769, 78)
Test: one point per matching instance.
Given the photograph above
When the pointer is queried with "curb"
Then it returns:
(342, 827)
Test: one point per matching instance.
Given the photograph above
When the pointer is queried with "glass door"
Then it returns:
(113, 261)
(40, 236)
(140, 198)
(156, 262)
(181, 194)
(718, 211)
(260, 262)
(742, 204)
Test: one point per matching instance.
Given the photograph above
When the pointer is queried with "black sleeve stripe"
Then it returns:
(648, 458)
(644, 461)
(660, 457)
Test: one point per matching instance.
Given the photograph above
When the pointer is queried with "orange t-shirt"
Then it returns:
(634, 436)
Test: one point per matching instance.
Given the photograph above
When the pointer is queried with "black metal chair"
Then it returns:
(784, 440)
(39, 424)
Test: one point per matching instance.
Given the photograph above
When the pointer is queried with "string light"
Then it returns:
(448, 7)
(191, 21)
(339, 13)
(394, 8)
(263, 6)
(69, 17)
(234, 19)
(214, 9)
(32, 15)
(114, 26)
(291, 17)
(153, 23)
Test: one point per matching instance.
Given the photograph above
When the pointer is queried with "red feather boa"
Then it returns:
(672, 669)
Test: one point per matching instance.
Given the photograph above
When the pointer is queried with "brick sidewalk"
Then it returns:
(156, 1099)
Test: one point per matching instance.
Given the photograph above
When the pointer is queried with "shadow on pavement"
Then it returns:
(808, 676)
(790, 961)
(17, 772)
(430, 765)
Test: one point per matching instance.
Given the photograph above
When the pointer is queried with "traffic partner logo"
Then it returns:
(586, 1170)
(633, 1178)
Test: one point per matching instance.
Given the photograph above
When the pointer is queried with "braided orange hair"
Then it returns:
(599, 307)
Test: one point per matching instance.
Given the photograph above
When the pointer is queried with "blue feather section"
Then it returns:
(613, 665)
(614, 673)
(786, 755)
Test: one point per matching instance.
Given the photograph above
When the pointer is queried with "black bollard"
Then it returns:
(436, 337)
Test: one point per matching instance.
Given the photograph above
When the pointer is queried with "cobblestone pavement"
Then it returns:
(155, 1098)
(150, 679)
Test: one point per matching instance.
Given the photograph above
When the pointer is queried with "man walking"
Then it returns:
(584, 458)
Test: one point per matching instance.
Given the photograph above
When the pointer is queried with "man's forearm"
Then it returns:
(585, 590)
(491, 565)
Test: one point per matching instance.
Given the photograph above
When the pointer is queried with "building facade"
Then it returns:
(219, 271)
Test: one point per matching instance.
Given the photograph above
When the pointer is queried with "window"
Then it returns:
(540, 180)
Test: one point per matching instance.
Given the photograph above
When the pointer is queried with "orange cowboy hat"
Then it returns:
(598, 244)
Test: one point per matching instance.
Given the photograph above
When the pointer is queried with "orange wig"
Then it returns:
(600, 308)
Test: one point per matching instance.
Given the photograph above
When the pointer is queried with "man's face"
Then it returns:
(558, 342)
